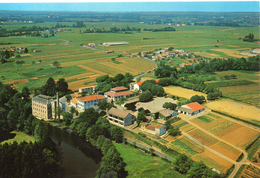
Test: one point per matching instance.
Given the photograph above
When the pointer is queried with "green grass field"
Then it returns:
(19, 137)
(142, 165)
(190, 38)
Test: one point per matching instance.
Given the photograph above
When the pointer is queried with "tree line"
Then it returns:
(105, 83)
(38, 159)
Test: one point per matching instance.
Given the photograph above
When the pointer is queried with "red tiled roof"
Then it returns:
(159, 126)
(109, 51)
(119, 88)
(157, 80)
(92, 97)
(257, 49)
(151, 127)
(139, 83)
(195, 106)
(123, 93)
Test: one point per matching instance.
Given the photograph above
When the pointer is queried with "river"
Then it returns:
(79, 159)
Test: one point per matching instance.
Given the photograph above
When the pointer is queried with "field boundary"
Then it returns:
(236, 118)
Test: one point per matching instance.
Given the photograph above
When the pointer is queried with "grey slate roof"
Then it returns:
(42, 99)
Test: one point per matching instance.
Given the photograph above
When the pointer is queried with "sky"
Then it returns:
(204, 6)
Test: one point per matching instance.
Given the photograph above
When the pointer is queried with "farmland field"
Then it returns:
(248, 171)
(213, 160)
(226, 150)
(182, 92)
(203, 137)
(243, 111)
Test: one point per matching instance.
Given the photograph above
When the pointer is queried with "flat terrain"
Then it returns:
(19, 137)
(243, 111)
(145, 165)
(182, 92)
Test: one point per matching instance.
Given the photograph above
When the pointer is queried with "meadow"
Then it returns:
(146, 165)
(65, 48)
(19, 137)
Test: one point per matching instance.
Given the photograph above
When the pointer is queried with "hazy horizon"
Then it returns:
(210, 6)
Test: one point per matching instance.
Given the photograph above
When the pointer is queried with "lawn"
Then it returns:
(140, 164)
(19, 137)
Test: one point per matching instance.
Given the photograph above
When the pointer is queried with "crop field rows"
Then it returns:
(249, 171)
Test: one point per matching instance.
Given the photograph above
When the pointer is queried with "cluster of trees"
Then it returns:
(100, 133)
(29, 31)
(250, 38)
(151, 85)
(5, 55)
(174, 131)
(26, 159)
(169, 105)
(165, 29)
(186, 165)
(105, 83)
(225, 24)
(199, 99)
(140, 117)
(51, 87)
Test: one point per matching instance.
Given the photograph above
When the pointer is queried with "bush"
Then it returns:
(142, 134)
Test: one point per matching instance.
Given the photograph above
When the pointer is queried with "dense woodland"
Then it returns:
(213, 18)
(38, 159)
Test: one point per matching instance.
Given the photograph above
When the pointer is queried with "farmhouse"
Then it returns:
(89, 101)
(91, 45)
(115, 43)
(137, 86)
(167, 114)
(117, 92)
(256, 50)
(121, 118)
(154, 130)
(86, 89)
(191, 109)
(109, 51)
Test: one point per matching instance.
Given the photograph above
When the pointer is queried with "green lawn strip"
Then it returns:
(248, 72)
(205, 119)
(180, 125)
(235, 82)
(245, 77)
(140, 164)
(253, 147)
(19, 137)
(178, 143)
(213, 115)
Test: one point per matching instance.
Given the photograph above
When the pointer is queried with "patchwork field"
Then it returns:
(226, 150)
(243, 111)
(227, 130)
(248, 171)
(203, 137)
(213, 160)
(182, 92)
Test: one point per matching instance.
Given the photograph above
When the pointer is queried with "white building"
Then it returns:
(115, 43)
(89, 101)
(117, 93)
(191, 109)
(154, 130)
(86, 89)
(120, 118)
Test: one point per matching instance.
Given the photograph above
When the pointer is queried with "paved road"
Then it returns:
(148, 148)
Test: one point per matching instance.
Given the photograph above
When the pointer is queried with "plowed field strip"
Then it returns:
(75, 85)
(222, 150)
(77, 76)
(125, 71)
(92, 70)
(18, 81)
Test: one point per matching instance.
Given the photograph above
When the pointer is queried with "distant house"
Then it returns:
(115, 43)
(86, 89)
(91, 45)
(117, 93)
(75, 95)
(109, 51)
(167, 114)
(154, 130)
(121, 118)
(137, 86)
(144, 53)
(36, 50)
(256, 50)
(89, 101)
(191, 109)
